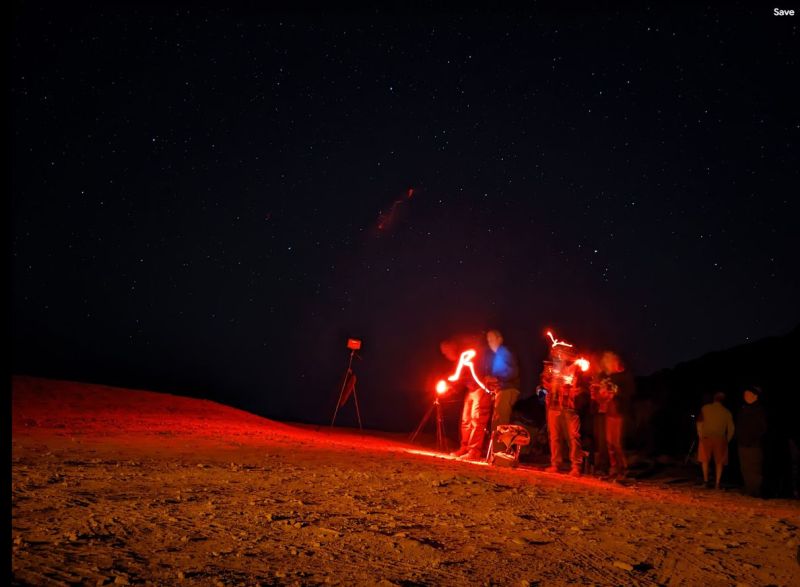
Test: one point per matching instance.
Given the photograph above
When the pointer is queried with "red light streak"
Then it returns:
(557, 342)
(466, 360)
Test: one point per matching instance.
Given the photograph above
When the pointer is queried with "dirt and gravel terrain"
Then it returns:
(114, 486)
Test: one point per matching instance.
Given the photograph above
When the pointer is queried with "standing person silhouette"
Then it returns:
(561, 380)
(751, 427)
(614, 386)
(714, 430)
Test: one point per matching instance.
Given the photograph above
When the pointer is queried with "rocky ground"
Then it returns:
(114, 486)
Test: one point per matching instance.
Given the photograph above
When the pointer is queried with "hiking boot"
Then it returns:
(551, 469)
(575, 472)
(616, 475)
(459, 452)
(472, 455)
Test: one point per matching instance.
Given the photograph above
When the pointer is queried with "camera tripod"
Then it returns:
(489, 428)
(691, 446)
(441, 438)
(348, 387)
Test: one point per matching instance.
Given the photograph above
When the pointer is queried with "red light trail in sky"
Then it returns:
(385, 220)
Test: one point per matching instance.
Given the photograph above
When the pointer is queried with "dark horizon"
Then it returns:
(214, 200)
(691, 399)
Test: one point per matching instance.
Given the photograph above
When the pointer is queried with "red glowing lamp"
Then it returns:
(442, 387)
(583, 364)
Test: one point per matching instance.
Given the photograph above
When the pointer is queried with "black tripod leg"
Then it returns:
(490, 429)
(358, 412)
(441, 437)
(341, 393)
(423, 422)
(689, 454)
(344, 385)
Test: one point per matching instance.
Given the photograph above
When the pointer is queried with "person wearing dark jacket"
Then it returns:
(614, 385)
(751, 426)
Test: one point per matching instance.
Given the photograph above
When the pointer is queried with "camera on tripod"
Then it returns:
(349, 383)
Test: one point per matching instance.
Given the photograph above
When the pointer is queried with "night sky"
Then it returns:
(210, 201)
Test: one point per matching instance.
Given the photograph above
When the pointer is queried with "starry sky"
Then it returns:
(210, 201)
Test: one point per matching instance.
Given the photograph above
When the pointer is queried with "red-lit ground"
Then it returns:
(119, 486)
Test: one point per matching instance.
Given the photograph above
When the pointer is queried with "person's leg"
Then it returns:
(758, 472)
(478, 415)
(619, 464)
(503, 402)
(719, 466)
(573, 422)
(466, 425)
(483, 405)
(720, 458)
(602, 458)
(554, 432)
(750, 460)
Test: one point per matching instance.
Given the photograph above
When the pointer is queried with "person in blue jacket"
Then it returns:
(503, 379)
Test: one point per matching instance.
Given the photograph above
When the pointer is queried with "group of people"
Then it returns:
(584, 400)
(579, 394)
(716, 429)
(497, 368)
(587, 398)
